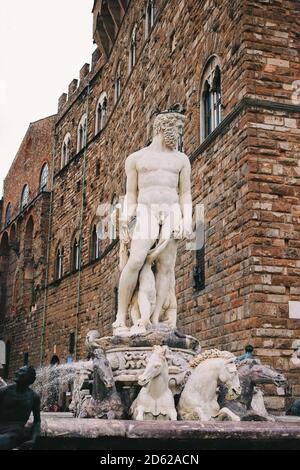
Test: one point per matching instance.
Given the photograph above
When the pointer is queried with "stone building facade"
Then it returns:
(23, 245)
(234, 66)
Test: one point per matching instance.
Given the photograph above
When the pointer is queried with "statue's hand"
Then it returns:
(125, 234)
(178, 231)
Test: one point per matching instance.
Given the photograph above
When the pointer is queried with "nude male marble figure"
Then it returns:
(158, 194)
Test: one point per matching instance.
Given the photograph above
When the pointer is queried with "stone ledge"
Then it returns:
(70, 428)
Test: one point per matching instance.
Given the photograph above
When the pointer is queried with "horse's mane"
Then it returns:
(211, 354)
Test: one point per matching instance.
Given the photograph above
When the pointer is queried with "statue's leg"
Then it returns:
(139, 249)
(164, 277)
(170, 312)
(145, 308)
(135, 311)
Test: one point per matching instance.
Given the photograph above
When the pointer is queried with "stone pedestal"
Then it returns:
(128, 356)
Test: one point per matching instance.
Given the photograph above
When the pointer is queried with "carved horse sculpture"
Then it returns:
(198, 400)
(155, 400)
(105, 402)
(251, 373)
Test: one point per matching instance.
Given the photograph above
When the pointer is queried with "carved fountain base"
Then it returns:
(128, 357)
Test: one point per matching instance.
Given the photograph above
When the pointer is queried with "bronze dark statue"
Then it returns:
(17, 401)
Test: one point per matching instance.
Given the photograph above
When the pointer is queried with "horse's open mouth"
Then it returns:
(280, 383)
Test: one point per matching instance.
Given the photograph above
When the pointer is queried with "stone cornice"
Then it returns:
(245, 104)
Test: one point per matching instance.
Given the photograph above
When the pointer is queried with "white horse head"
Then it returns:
(229, 377)
(199, 397)
(157, 364)
(155, 399)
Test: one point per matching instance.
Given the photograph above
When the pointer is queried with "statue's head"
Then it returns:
(25, 376)
(169, 125)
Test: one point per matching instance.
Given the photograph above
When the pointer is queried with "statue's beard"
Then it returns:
(170, 138)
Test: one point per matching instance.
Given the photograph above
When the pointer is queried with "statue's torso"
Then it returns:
(158, 176)
(14, 406)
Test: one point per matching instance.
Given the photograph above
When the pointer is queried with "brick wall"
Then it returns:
(23, 246)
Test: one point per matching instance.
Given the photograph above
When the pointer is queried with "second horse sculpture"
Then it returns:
(251, 373)
(199, 399)
(155, 400)
(105, 402)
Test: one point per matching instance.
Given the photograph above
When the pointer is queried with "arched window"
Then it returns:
(132, 50)
(8, 214)
(59, 263)
(211, 99)
(25, 197)
(65, 150)
(101, 113)
(96, 241)
(82, 133)
(117, 85)
(44, 177)
(76, 254)
(150, 16)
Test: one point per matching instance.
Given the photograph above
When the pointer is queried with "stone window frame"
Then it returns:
(150, 17)
(210, 98)
(44, 177)
(96, 249)
(82, 133)
(24, 197)
(132, 57)
(59, 262)
(118, 82)
(65, 150)
(75, 252)
(101, 112)
(8, 214)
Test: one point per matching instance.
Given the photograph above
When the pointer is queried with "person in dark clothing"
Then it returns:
(17, 401)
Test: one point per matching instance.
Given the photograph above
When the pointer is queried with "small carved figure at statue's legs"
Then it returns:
(165, 267)
(169, 315)
(145, 308)
(134, 309)
(138, 253)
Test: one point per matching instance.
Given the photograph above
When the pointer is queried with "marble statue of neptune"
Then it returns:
(158, 199)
